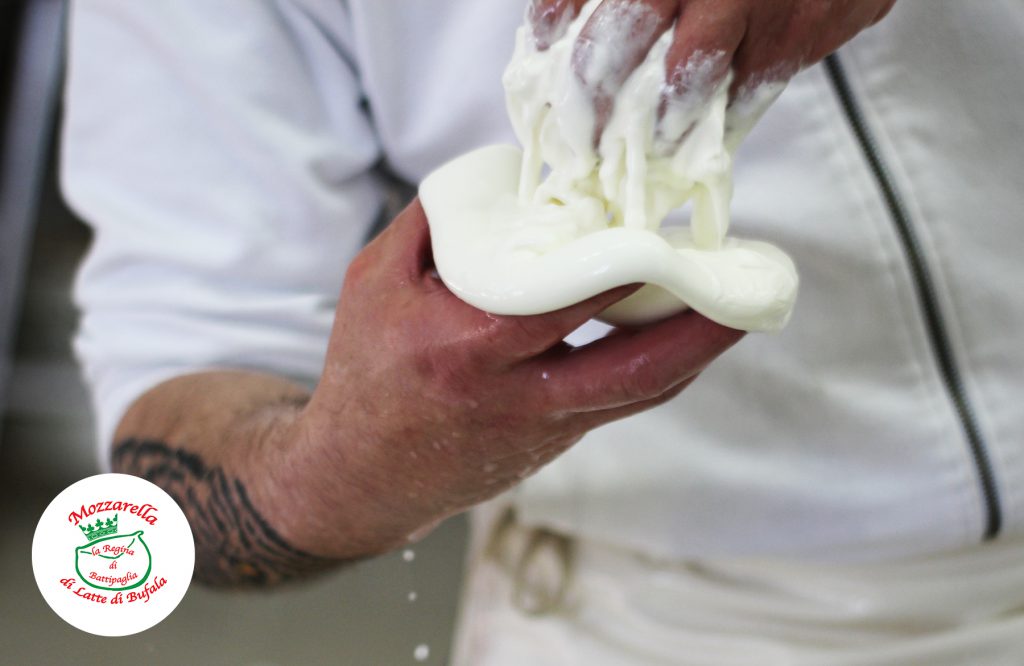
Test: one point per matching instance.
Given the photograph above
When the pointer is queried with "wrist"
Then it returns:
(329, 492)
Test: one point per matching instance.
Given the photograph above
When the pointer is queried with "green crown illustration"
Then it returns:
(100, 529)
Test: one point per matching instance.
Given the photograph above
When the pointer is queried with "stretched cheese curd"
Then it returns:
(531, 230)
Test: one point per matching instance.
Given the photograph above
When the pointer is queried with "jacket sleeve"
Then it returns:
(221, 154)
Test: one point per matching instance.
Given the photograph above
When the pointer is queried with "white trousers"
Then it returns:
(533, 598)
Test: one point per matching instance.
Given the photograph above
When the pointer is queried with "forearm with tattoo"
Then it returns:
(235, 545)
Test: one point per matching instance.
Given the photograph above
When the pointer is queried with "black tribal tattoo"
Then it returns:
(235, 546)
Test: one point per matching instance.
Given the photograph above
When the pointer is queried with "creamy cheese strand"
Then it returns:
(638, 181)
(510, 239)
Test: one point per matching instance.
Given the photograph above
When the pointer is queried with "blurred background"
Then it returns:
(362, 615)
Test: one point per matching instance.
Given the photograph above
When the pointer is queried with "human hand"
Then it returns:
(428, 406)
(762, 42)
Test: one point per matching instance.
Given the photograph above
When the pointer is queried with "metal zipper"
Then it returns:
(926, 293)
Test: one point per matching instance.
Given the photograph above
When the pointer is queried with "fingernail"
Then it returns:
(613, 43)
(751, 101)
(687, 89)
(549, 21)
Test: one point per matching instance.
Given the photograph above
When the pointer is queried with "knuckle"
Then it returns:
(526, 333)
(358, 269)
(818, 10)
(474, 345)
(641, 380)
(447, 373)
(478, 356)
(523, 328)
(635, 388)
(668, 396)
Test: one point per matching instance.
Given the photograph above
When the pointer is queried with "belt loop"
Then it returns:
(539, 561)
(541, 579)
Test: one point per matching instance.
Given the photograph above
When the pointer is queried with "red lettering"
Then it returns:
(95, 597)
(144, 511)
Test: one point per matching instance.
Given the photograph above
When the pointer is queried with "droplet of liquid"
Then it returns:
(412, 597)
(421, 652)
(408, 555)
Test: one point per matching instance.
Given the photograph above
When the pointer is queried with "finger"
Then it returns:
(591, 420)
(519, 338)
(845, 21)
(633, 367)
(550, 20)
(781, 43)
(884, 11)
(613, 43)
(705, 37)
(775, 45)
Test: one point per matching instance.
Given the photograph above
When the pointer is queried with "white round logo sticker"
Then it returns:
(113, 555)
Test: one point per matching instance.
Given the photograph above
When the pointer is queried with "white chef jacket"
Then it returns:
(223, 152)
